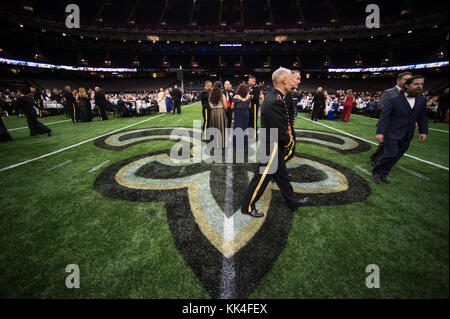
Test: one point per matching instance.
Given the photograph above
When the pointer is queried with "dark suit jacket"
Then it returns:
(254, 93)
(319, 99)
(204, 97)
(387, 95)
(289, 100)
(176, 95)
(100, 99)
(69, 98)
(397, 120)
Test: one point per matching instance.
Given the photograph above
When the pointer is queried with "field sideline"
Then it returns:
(53, 213)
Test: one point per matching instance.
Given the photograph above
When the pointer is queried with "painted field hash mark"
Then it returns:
(97, 167)
(362, 169)
(58, 166)
(414, 173)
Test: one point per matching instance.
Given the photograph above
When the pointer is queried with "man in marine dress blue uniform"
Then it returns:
(274, 115)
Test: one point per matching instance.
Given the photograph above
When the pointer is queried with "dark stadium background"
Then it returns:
(189, 34)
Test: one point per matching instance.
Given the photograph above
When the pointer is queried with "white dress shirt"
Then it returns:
(411, 100)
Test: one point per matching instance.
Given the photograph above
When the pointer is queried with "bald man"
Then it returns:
(274, 116)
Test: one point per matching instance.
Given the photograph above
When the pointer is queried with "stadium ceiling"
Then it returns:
(168, 33)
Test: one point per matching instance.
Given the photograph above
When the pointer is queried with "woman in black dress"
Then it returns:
(240, 105)
(25, 104)
(84, 105)
(4, 134)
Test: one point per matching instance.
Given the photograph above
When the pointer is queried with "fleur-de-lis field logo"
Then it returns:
(228, 251)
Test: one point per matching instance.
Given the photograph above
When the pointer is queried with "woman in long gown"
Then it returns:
(84, 105)
(162, 101)
(4, 134)
(25, 103)
(348, 105)
(333, 109)
(218, 117)
(240, 105)
(168, 102)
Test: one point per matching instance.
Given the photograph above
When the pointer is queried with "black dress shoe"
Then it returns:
(376, 178)
(50, 133)
(254, 213)
(385, 180)
(300, 202)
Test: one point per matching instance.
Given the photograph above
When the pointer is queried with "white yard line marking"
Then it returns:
(81, 143)
(435, 129)
(228, 280)
(362, 169)
(98, 166)
(413, 173)
(366, 117)
(58, 166)
(24, 127)
(407, 155)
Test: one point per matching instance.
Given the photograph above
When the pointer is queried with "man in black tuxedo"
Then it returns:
(100, 102)
(204, 97)
(385, 96)
(229, 94)
(290, 105)
(397, 124)
(70, 103)
(319, 104)
(176, 96)
(254, 106)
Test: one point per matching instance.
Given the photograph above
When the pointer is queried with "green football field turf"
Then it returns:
(52, 216)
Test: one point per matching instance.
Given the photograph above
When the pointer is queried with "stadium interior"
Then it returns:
(99, 187)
